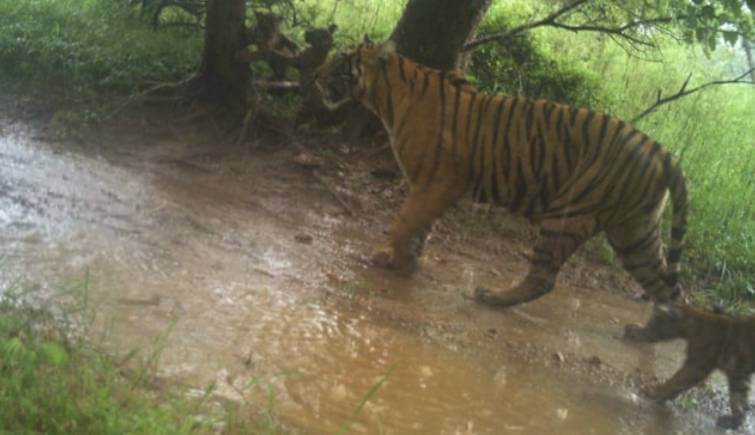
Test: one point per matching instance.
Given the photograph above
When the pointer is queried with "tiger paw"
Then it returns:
(730, 421)
(385, 260)
(489, 297)
(635, 332)
(650, 393)
(653, 393)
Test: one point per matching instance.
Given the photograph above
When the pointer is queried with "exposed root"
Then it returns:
(141, 96)
(249, 117)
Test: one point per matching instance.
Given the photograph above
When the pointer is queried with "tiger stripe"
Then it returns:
(714, 341)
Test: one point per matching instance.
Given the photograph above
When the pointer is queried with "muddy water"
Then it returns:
(254, 275)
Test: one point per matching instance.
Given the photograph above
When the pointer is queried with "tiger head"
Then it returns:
(667, 322)
(349, 76)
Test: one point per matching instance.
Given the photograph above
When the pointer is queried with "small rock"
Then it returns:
(303, 238)
(426, 371)
(386, 173)
(338, 392)
(308, 161)
(558, 357)
(500, 377)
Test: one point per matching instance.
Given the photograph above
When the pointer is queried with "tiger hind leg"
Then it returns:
(739, 386)
(638, 245)
(559, 238)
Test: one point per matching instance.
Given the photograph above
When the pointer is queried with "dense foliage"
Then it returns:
(102, 43)
(53, 383)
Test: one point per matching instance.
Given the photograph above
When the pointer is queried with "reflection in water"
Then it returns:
(253, 308)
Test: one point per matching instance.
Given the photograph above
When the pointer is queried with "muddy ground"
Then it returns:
(251, 264)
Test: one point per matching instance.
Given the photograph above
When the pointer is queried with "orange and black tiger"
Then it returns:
(573, 171)
(714, 341)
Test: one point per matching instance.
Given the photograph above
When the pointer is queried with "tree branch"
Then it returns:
(618, 31)
(509, 33)
(683, 91)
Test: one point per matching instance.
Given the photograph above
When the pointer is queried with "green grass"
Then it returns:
(97, 42)
(53, 381)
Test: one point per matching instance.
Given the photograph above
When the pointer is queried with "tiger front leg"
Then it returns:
(413, 224)
(689, 375)
(739, 387)
(405, 251)
(558, 241)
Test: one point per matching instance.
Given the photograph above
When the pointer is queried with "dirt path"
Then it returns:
(253, 267)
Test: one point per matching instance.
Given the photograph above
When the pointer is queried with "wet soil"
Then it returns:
(248, 265)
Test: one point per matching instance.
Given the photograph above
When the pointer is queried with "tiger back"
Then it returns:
(573, 171)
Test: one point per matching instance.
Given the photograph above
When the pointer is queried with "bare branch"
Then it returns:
(618, 31)
(550, 20)
(283, 85)
(683, 91)
(508, 34)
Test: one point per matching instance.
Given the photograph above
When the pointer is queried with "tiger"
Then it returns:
(572, 171)
(714, 341)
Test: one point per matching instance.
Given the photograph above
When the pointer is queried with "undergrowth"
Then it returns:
(53, 381)
(98, 42)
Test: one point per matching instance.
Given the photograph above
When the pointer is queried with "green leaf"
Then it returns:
(54, 353)
(13, 347)
(708, 12)
(700, 34)
(712, 42)
(734, 6)
(730, 37)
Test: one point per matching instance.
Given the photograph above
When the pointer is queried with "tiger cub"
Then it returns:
(714, 341)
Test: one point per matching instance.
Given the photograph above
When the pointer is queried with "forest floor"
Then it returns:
(248, 264)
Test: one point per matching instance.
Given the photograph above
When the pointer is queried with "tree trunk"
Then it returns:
(222, 80)
(433, 32)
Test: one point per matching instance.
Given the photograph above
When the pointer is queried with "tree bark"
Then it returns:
(433, 32)
(222, 80)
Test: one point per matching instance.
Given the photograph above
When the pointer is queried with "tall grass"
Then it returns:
(50, 382)
(99, 42)
(53, 381)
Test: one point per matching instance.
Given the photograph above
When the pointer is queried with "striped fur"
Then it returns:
(714, 341)
(573, 171)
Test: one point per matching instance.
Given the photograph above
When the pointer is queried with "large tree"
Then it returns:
(434, 32)
(222, 80)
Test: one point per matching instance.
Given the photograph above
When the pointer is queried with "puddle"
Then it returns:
(213, 259)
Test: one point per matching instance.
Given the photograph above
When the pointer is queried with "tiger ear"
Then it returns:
(387, 49)
(668, 310)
